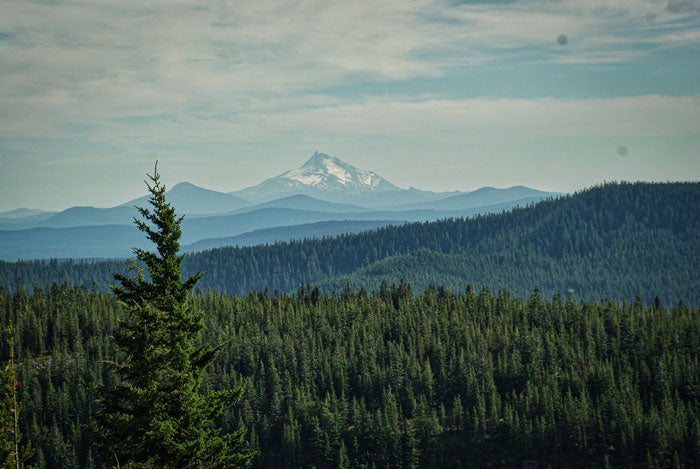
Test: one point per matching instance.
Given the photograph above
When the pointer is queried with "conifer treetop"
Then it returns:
(155, 415)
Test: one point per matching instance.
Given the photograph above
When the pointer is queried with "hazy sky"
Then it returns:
(439, 95)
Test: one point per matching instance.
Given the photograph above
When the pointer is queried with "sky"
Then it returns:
(439, 95)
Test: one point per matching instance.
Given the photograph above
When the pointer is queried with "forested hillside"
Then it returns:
(614, 240)
(395, 380)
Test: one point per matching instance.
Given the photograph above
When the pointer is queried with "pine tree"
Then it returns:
(155, 416)
(7, 419)
(10, 453)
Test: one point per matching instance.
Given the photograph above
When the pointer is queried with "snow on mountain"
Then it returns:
(321, 176)
(322, 169)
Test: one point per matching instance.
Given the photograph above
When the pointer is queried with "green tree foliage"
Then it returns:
(154, 416)
(8, 414)
(394, 378)
(391, 378)
(12, 455)
(612, 241)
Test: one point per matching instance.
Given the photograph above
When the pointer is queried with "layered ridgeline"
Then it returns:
(393, 379)
(298, 200)
(615, 240)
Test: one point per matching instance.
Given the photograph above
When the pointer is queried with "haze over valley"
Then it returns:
(319, 191)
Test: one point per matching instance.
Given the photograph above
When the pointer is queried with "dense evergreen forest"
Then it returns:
(395, 379)
(617, 241)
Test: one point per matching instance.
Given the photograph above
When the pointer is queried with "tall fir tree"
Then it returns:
(11, 455)
(155, 415)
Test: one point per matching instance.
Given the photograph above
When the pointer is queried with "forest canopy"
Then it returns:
(464, 362)
(617, 241)
(396, 379)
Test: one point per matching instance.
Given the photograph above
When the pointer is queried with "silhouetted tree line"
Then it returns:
(391, 378)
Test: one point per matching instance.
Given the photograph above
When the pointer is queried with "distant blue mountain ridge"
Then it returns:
(324, 189)
(113, 241)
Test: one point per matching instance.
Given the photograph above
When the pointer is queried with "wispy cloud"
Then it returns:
(107, 59)
(477, 119)
(249, 71)
(683, 6)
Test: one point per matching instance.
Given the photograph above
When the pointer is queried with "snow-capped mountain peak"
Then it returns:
(325, 170)
(322, 175)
